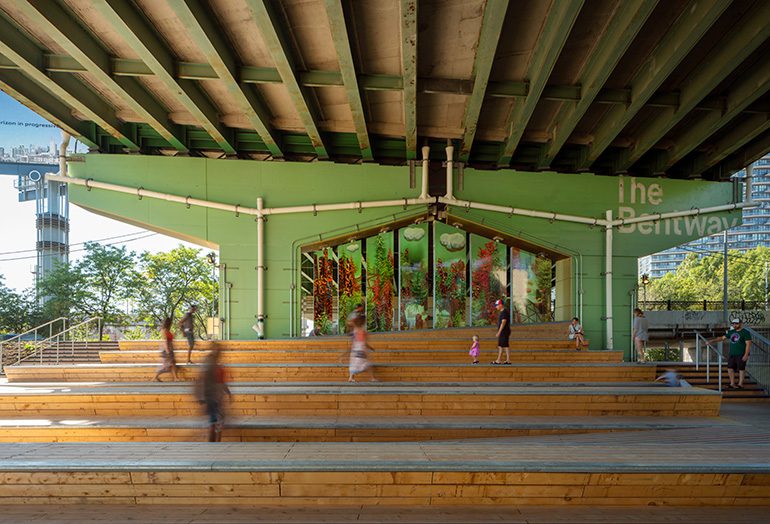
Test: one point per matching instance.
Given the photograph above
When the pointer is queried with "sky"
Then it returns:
(17, 219)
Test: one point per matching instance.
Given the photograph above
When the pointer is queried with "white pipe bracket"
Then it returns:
(88, 185)
(139, 192)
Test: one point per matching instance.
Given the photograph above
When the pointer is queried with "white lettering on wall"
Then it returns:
(639, 192)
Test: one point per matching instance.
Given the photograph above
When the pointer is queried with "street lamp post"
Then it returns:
(645, 281)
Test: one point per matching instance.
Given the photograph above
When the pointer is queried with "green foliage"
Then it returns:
(172, 281)
(699, 279)
(93, 286)
(18, 311)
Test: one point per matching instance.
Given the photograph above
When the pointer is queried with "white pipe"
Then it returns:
(260, 270)
(65, 141)
(424, 179)
(675, 214)
(449, 167)
(608, 278)
(522, 212)
(141, 192)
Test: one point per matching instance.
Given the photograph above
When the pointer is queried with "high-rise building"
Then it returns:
(753, 233)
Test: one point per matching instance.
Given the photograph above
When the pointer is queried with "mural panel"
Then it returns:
(324, 293)
(415, 308)
(450, 290)
(348, 280)
(380, 283)
(530, 287)
(488, 279)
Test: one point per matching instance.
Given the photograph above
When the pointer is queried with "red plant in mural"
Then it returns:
(486, 288)
(323, 289)
(380, 292)
(348, 283)
(450, 292)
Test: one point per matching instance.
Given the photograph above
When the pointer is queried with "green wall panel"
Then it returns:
(288, 183)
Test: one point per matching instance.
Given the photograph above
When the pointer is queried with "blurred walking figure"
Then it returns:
(187, 325)
(359, 350)
(166, 351)
(640, 334)
(210, 390)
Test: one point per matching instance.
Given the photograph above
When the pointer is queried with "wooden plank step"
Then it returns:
(321, 372)
(381, 355)
(325, 429)
(363, 400)
(641, 469)
(340, 343)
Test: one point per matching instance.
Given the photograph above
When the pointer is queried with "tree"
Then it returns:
(93, 286)
(701, 278)
(174, 280)
(18, 311)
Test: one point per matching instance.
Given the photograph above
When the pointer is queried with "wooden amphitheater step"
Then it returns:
(326, 429)
(236, 356)
(340, 343)
(458, 399)
(322, 372)
(640, 469)
(751, 392)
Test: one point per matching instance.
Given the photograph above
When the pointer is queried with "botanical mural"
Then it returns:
(348, 280)
(450, 290)
(530, 287)
(415, 287)
(488, 279)
(324, 293)
(380, 283)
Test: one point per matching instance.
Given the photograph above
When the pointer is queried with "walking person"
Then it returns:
(474, 351)
(211, 389)
(187, 325)
(576, 333)
(167, 351)
(740, 348)
(640, 333)
(359, 351)
(503, 334)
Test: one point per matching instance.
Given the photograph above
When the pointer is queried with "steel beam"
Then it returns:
(339, 31)
(268, 24)
(751, 31)
(558, 24)
(747, 90)
(145, 42)
(202, 29)
(32, 95)
(696, 18)
(491, 27)
(738, 136)
(28, 58)
(622, 28)
(748, 154)
(409, 74)
(68, 33)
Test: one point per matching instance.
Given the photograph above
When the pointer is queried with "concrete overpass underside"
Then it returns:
(199, 109)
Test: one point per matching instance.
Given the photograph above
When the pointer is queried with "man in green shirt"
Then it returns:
(740, 346)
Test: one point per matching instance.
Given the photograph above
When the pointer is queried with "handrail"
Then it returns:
(710, 348)
(39, 347)
(18, 338)
(758, 365)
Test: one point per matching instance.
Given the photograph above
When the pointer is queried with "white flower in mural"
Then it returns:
(413, 233)
(352, 247)
(453, 241)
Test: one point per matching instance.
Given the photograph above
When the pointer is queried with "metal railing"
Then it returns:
(701, 305)
(61, 339)
(24, 347)
(758, 365)
(700, 342)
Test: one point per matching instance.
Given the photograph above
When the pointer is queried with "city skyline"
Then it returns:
(17, 252)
